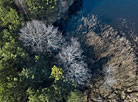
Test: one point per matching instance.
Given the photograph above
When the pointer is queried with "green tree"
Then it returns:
(6, 3)
(43, 9)
(12, 57)
(36, 73)
(56, 92)
(75, 96)
(9, 18)
(57, 73)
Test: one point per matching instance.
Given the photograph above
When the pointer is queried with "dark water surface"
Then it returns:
(114, 11)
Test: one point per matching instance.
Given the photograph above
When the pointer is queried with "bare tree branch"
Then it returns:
(74, 67)
(39, 37)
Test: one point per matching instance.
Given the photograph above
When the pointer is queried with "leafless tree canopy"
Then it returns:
(71, 52)
(74, 66)
(39, 37)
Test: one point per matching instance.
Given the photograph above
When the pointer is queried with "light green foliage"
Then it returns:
(75, 96)
(38, 96)
(41, 4)
(36, 58)
(40, 9)
(56, 92)
(57, 73)
(9, 18)
(9, 51)
(11, 54)
(11, 58)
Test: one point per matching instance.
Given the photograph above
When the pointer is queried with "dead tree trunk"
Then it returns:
(21, 4)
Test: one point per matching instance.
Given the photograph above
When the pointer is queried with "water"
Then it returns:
(114, 11)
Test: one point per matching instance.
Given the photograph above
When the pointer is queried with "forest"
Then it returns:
(49, 55)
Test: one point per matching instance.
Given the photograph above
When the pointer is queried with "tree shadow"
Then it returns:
(93, 62)
(76, 6)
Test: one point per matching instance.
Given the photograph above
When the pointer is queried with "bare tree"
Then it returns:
(71, 52)
(74, 67)
(109, 77)
(39, 37)
(21, 4)
(82, 25)
(78, 72)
